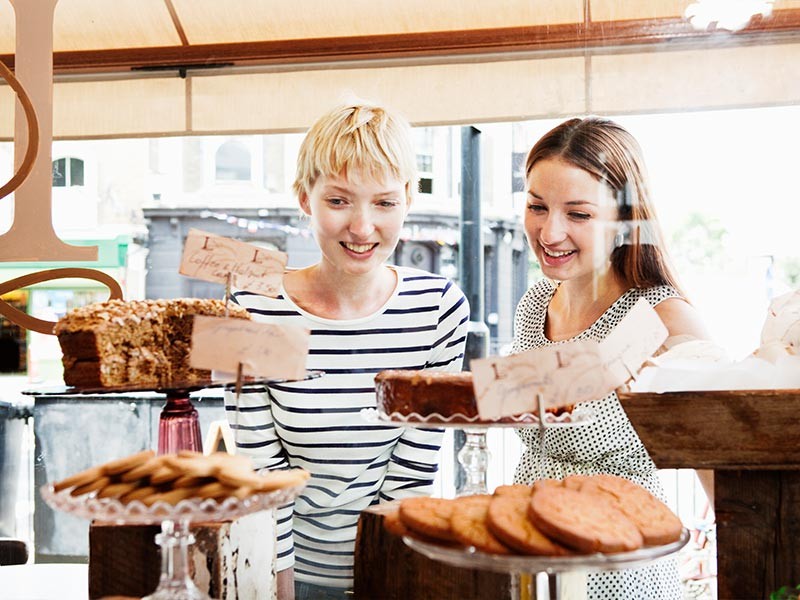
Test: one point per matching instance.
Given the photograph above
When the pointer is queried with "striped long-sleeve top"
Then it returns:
(316, 424)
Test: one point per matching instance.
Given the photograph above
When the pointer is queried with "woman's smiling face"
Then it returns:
(356, 219)
(570, 218)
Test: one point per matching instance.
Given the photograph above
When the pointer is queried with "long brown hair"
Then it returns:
(609, 153)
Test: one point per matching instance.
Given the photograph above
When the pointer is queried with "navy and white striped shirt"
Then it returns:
(316, 424)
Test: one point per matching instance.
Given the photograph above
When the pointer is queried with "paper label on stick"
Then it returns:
(637, 337)
(569, 373)
(212, 257)
(263, 349)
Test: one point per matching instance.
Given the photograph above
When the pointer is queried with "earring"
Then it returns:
(622, 236)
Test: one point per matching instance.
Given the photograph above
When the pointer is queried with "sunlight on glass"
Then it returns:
(726, 14)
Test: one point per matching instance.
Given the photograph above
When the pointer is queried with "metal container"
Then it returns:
(11, 456)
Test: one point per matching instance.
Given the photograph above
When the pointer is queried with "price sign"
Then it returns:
(215, 258)
(569, 373)
(263, 349)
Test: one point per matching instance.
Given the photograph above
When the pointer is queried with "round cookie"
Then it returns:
(191, 481)
(220, 491)
(230, 461)
(116, 490)
(520, 490)
(543, 483)
(393, 524)
(428, 516)
(582, 521)
(140, 494)
(654, 519)
(196, 466)
(468, 524)
(172, 496)
(265, 480)
(126, 463)
(281, 478)
(165, 474)
(576, 482)
(79, 479)
(507, 519)
(97, 484)
(144, 470)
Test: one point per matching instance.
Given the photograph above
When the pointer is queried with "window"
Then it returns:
(423, 142)
(67, 172)
(518, 171)
(233, 162)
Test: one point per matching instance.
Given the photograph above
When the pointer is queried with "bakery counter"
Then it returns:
(73, 432)
(750, 440)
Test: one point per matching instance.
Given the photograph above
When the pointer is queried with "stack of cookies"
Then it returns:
(579, 515)
(171, 478)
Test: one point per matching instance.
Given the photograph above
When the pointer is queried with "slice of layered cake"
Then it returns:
(135, 342)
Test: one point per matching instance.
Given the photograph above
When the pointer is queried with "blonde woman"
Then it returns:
(355, 180)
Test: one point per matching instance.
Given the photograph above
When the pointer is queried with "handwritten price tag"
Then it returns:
(569, 373)
(212, 258)
(264, 350)
(637, 337)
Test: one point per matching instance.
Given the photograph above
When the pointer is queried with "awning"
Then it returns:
(142, 68)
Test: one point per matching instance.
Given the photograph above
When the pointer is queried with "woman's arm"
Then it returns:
(681, 319)
(286, 584)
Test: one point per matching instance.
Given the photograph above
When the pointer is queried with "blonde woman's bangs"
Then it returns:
(360, 139)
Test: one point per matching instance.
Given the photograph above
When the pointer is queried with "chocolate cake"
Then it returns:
(134, 343)
(435, 396)
(426, 393)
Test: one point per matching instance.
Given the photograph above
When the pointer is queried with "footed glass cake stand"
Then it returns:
(528, 567)
(474, 455)
(175, 582)
(178, 424)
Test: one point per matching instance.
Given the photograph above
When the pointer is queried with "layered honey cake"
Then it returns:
(134, 342)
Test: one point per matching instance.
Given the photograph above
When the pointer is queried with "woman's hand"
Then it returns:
(286, 584)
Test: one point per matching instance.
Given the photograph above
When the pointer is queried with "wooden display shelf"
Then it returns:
(386, 568)
(751, 439)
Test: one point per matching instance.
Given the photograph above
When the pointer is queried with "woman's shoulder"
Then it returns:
(259, 303)
(418, 279)
(655, 295)
(680, 317)
(539, 294)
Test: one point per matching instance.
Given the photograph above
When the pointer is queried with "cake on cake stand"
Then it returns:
(474, 456)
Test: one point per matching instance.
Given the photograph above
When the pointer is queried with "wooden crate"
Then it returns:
(751, 439)
(386, 568)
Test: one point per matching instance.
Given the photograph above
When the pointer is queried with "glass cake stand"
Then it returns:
(175, 538)
(552, 566)
(178, 425)
(474, 456)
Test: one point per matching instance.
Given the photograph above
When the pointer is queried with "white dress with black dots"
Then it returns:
(608, 445)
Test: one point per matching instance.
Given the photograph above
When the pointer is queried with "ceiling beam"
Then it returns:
(439, 44)
(176, 22)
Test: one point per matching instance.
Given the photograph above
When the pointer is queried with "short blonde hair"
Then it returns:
(357, 136)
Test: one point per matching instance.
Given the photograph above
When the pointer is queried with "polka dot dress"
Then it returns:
(607, 445)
